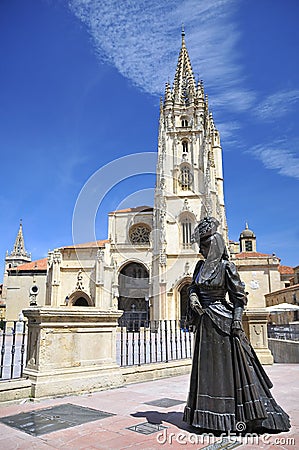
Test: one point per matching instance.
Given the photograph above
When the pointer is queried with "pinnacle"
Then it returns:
(184, 82)
(19, 246)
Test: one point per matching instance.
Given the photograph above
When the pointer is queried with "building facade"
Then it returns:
(146, 264)
(260, 272)
(20, 276)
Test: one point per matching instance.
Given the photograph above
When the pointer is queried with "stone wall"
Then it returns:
(284, 351)
(15, 390)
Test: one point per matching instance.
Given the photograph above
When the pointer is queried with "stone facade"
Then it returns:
(287, 295)
(146, 264)
(260, 273)
(20, 275)
(17, 286)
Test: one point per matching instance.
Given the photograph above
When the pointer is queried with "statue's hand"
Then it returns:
(195, 303)
(237, 328)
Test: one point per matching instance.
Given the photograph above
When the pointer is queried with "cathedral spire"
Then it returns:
(19, 246)
(18, 255)
(184, 82)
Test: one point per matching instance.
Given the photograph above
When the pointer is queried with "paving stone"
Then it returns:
(43, 421)
(165, 402)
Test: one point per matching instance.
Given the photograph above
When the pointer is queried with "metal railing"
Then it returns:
(159, 341)
(138, 342)
(284, 332)
(13, 337)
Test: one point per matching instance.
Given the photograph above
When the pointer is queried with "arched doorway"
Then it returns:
(79, 298)
(134, 295)
(81, 301)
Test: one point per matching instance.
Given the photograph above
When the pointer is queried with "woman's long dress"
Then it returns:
(228, 385)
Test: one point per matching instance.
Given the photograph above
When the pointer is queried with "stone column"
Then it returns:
(71, 350)
(255, 326)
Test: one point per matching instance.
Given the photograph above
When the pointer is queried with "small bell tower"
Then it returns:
(247, 240)
(18, 255)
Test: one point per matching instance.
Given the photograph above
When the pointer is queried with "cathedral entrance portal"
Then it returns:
(134, 295)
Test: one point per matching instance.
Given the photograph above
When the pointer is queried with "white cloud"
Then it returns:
(277, 157)
(277, 105)
(142, 39)
(228, 131)
(241, 99)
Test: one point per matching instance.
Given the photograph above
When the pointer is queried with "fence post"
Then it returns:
(166, 341)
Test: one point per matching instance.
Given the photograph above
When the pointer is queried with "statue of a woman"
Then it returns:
(229, 389)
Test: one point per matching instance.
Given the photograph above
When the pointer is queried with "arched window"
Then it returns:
(186, 232)
(185, 178)
(184, 123)
(185, 146)
(139, 234)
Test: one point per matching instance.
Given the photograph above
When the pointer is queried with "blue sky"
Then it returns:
(80, 84)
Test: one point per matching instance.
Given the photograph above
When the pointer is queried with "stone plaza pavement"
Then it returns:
(143, 407)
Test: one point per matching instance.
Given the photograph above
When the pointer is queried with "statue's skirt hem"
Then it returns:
(209, 421)
(229, 389)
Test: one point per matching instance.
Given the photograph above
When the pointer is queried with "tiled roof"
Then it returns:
(244, 255)
(94, 244)
(286, 270)
(136, 209)
(40, 264)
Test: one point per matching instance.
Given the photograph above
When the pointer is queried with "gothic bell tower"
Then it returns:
(18, 255)
(189, 178)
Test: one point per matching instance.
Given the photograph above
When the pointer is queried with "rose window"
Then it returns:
(139, 234)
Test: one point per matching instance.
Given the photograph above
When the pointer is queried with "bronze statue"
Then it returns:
(229, 389)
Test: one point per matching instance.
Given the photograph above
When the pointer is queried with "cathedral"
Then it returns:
(145, 265)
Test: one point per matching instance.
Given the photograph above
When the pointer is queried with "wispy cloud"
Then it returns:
(229, 132)
(141, 39)
(277, 156)
(242, 99)
(277, 105)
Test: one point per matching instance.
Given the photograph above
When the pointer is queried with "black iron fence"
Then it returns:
(13, 339)
(134, 319)
(138, 342)
(158, 341)
(285, 332)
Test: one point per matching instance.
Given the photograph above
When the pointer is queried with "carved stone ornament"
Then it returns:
(163, 258)
(139, 234)
(79, 285)
(254, 284)
(100, 255)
